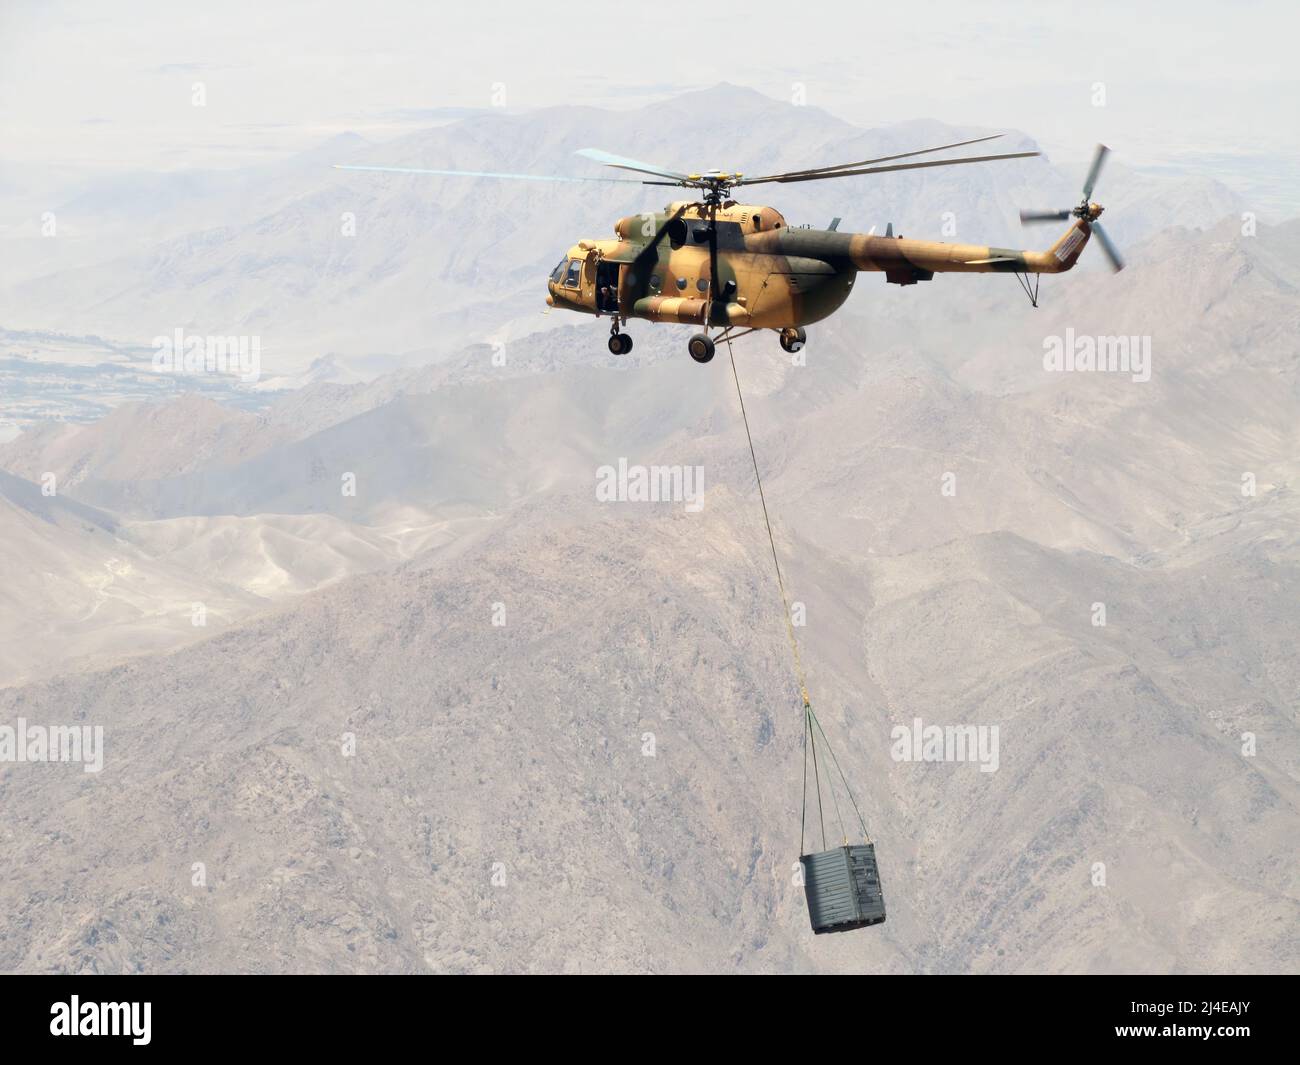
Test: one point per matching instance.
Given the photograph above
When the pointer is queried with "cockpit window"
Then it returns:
(558, 271)
(571, 278)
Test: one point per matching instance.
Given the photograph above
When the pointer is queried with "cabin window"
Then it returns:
(758, 222)
(571, 278)
(655, 282)
(681, 283)
(558, 272)
(702, 284)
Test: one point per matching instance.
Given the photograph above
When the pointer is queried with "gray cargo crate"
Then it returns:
(843, 889)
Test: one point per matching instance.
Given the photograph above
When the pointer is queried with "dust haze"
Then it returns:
(387, 685)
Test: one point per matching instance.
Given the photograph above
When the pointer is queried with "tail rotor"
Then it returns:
(1086, 210)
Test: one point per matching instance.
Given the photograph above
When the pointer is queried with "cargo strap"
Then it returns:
(812, 728)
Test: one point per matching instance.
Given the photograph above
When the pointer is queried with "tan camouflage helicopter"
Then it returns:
(733, 268)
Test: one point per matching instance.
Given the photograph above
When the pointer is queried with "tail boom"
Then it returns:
(906, 261)
(931, 256)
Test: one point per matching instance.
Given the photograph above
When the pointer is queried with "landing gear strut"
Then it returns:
(701, 347)
(793, 339)
(619, 343)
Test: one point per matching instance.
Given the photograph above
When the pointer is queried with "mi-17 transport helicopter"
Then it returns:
(733, 268)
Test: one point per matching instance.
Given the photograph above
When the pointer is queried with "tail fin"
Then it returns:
(1062, 255)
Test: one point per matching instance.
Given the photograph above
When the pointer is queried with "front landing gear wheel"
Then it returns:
(700, 347)
(793, 340)
(620, 344)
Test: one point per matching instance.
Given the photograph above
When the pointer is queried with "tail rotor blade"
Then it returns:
(1108, 246)
(1097, 161)
(1045, 216)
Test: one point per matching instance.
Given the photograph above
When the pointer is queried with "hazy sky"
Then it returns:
(1190, 84)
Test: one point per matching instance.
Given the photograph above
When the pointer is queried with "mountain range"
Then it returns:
(449, 711)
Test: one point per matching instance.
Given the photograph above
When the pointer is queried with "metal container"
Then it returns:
(843, 889)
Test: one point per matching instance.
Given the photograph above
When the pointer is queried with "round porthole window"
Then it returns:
(681, 283)
(702, 284)
(655, 282)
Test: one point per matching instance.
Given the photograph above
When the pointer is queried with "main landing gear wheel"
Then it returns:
(793, 340)
(619, 343)
(700, 347)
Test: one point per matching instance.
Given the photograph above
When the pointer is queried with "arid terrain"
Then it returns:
(385, 686)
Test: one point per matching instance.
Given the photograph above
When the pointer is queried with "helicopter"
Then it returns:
(735, 268)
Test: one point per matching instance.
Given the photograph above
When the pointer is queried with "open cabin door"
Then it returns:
(607, 286)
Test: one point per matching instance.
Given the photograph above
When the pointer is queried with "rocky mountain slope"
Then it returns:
(499, 811)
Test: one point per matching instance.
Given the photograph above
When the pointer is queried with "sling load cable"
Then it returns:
(811, 725)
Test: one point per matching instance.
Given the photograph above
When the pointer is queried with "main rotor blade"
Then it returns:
(872, 162)
(483, 174)
(630, 164)
(887, 169)
(1045, 216)
(1094, 170)
(1112, 252)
